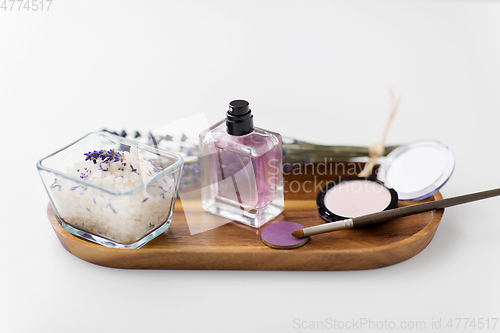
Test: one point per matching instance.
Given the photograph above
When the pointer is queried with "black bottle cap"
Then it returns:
(239, 118)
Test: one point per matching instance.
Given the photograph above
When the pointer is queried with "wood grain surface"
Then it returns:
(233, 246)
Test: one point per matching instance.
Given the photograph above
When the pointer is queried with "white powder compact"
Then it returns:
(355, 196)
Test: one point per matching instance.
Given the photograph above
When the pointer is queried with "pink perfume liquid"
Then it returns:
(251, 178)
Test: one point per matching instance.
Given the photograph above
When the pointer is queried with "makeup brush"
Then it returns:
(383, 216)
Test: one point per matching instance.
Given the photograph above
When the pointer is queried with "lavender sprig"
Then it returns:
(295, 152)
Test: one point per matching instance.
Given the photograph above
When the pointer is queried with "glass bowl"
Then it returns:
(98, 194)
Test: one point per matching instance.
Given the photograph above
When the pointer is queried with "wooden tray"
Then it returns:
(234, 246)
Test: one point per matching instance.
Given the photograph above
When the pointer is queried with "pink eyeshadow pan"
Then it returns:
(357, 197)
(354, 197)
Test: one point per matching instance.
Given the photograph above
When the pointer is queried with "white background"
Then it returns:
(314, 70)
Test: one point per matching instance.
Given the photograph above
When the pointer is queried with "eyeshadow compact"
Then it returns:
(354, 196)
(410, 172)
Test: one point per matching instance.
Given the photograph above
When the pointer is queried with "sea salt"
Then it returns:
(126, 216)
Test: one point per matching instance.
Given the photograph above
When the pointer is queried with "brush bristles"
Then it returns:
(298, 233)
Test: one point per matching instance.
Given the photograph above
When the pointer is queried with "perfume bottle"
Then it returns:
(241, 169)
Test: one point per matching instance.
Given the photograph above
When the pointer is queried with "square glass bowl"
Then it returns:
(111, 212)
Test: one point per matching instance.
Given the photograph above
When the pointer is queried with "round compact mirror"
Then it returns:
(417, 170)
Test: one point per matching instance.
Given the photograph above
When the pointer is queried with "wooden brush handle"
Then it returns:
(386, 215)
(420, 208)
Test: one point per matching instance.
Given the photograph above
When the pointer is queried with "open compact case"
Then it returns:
(409, 173)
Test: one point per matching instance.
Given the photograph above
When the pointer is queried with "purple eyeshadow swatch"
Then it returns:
(279, 235)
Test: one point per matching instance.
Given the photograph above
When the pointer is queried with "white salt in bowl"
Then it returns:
(111, 190)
